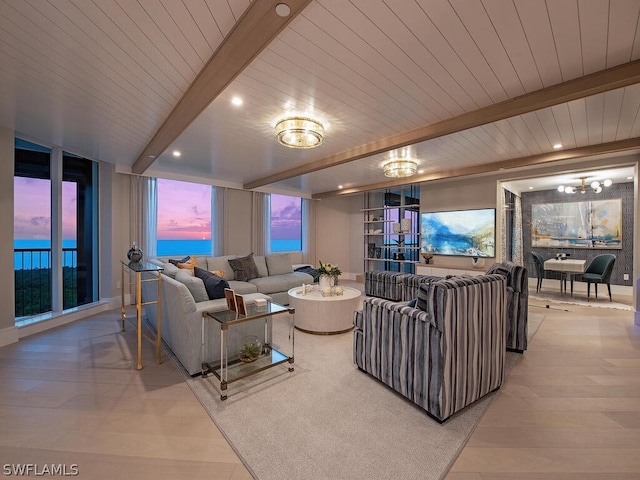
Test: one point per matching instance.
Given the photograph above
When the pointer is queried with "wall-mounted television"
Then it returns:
(469, 233)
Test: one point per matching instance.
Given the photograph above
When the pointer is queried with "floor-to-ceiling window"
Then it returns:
(32, 229)
(79, 215)
(285, 223)
(55, 230)
(184, 218)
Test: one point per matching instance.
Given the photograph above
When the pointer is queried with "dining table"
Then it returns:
(568, 269)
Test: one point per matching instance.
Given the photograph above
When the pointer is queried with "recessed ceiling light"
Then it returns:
(176, 153)
(629, 178)
(340, 187)
(283, 10)
(421, 171)
(237, 101)
(557, 146)
(530, 188)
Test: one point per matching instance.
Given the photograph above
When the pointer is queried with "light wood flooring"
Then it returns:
(569, 410)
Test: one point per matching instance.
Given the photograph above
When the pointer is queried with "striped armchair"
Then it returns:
(411, 285)
(442, 357)
(384, 284)
(517, 303)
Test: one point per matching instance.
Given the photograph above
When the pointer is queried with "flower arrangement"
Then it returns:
(328, 269)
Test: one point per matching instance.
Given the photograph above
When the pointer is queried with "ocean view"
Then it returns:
(166, 248)
(203, 247)
(40, 259)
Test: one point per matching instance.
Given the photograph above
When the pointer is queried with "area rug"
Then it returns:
(328, 420)
(558, 299)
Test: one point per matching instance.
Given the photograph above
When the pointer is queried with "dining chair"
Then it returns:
(538, 262)
(599, 271)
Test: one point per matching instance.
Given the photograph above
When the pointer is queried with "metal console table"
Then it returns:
(135, 271)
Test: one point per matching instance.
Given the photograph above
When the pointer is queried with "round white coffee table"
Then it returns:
(324, 315)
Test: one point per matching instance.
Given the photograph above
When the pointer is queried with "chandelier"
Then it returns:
(596, 186)
(299, 132)
(400, 168)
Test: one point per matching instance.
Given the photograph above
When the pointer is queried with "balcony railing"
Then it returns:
(32, 269)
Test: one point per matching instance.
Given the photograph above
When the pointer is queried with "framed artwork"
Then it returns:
(230, 295)
(589, 224)
(240, 308)
(470, 233)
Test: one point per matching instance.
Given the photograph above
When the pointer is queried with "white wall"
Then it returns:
(334, 233)
(8, 331)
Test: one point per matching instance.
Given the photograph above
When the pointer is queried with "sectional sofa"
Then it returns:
(184, 299)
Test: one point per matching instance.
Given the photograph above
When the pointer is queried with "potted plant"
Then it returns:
(251, 349)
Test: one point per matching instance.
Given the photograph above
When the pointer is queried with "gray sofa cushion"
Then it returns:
(281, 283)
(221, 263)
(244, 268)
(242, 288)
(261, 263)
(279, 264)
(169, 269)
(194, 284)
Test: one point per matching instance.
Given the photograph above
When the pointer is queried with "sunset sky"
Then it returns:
(32, 207)
(286, 217)
(184, 211)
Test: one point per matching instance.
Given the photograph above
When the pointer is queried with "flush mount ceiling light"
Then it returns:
(596, 186)
(400, 168)
(299, 132)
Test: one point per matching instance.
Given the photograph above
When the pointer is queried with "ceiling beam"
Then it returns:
(530, 161)
(257, 27)
(599, 82)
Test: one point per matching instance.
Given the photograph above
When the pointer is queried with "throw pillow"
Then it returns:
(261, 263)
(412, 303)
(244, 268)
(189, 264)
(170, 270)
(213, 284)
(176, 262)
(194, 285)
(279, 264)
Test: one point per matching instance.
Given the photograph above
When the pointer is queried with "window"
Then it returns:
(32, 245)
(286, 223)
(184, 218)
(42, 257)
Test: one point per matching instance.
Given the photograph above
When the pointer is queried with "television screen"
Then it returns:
(470, 233)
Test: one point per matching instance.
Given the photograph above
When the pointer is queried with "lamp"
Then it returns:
(596, 186)
(400, 168)
(299, 132)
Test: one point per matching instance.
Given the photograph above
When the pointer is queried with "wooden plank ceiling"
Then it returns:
(463, 86)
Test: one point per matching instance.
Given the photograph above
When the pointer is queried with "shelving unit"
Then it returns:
(384, 248)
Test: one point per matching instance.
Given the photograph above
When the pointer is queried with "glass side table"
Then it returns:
(134, 272)
(231, 367)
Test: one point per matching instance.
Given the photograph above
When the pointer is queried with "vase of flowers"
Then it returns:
(328, 275)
